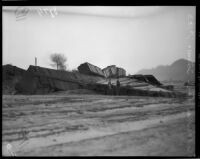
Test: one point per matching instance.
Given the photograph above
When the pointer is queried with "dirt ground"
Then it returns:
(80, 124)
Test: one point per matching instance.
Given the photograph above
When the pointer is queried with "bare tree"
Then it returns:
(59, 61)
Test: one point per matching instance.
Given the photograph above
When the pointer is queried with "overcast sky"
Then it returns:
(129, 37)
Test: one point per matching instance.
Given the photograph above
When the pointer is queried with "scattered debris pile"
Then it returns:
(11, 75)
(151, 80)
(114, 72)
(133, 86)
(39, 80)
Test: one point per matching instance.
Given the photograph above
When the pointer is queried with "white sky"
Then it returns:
(130, 37)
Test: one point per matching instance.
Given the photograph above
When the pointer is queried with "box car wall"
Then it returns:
(42, 80)
(90, 69)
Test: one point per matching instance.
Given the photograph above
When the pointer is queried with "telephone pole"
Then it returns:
(35, 61)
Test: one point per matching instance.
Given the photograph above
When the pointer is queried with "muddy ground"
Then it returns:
(80, 123)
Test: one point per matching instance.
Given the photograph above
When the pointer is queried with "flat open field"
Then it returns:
(71, 124)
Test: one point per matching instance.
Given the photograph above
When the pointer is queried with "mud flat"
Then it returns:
(65, 124)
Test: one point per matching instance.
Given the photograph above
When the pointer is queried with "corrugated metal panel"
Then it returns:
(84, 68)
(96, 70)
(106, 72)
(113, 71)
(121, 72)
(91, 68)
(88, 68)
(99, 71)
(152, 79)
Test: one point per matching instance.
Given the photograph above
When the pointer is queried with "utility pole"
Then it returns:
(35, 61)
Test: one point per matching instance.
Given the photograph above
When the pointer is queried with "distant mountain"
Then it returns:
(180, 70)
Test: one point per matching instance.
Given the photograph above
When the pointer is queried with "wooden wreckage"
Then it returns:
(132, 86)
(11, 76)
(39, 80)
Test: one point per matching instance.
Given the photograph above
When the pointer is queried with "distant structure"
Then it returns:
(89, 69)
(114, 72)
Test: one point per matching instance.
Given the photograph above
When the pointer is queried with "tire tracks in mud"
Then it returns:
(82, 108)
(119, 142)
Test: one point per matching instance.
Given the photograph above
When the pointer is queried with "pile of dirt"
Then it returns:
(11, 76)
